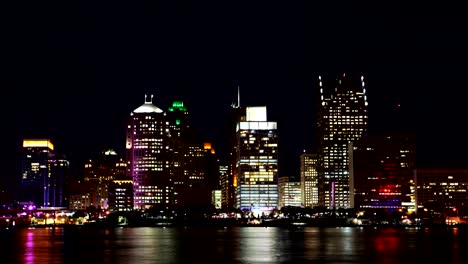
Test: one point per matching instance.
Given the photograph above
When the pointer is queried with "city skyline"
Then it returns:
(76, 81)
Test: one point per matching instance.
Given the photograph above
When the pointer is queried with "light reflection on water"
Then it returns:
(234, 245)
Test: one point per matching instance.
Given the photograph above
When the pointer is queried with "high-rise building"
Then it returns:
(257, 162)
(309, 179)
(100, 172)
(148, 157)
(169, 165)
(381, 172)
(342, 118)
(229, 179)
(36, 171)
(121, 195)
(58, 181)
(289, 193)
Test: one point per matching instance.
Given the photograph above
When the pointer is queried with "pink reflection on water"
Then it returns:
(29, 252)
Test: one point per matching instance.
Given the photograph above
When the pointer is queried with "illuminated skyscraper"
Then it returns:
(147, 157)
(169, 166)
(257, 162)
(36, 171)
(342, 118)
(309, 179)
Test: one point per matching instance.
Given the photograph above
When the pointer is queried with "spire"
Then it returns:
(238, 96)
(234, 105)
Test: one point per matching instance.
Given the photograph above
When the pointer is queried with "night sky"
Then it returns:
(73, 72)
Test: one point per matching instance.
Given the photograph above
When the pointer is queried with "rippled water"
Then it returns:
(234, 245)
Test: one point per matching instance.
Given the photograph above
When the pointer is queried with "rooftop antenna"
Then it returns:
(238, 96)
(150, 100)
(234, 105)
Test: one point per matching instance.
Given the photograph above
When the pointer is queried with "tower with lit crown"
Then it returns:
(342, 118)
(148, 157)
(256, 180)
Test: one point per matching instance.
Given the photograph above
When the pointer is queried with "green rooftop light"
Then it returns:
(177, 105)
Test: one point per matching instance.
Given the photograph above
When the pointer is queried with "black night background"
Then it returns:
(73, 71)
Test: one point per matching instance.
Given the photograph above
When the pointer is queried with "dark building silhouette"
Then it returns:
(58, 181)
(44, 174)
(229, 175)
(100, 172)
(442, 191)
(382, 172)
(121, 195)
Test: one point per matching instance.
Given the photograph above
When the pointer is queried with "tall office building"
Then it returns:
(229, 179)
(381, 172)
(309, 179)
(36, 171)
(342, 118)
(257, 162)
(58, 181)
(147, 157)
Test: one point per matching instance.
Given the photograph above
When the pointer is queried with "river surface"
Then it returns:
(234, 245)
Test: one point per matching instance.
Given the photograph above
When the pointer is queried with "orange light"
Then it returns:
(207, 145)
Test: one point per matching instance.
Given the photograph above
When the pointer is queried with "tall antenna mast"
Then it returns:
(238, 96)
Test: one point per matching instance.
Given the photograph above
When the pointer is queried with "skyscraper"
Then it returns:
(100, 172)
(147, 156)
(229, 178)
(58, 181)
(342, 118)
(257, 162)
(36, 171)
(309, 179)
(381, 172)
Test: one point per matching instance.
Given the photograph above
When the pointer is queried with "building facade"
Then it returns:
(36, 170)
(381, 172)
(58, 181)
(309, 179)
(121, 195)
(442, 190)
(342, 118)
(100, 172)
(148, 157)
(289, 193)
(257, 162)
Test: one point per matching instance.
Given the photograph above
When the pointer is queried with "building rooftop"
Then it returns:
(148, 107)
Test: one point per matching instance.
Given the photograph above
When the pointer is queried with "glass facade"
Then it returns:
(257, 162)
(36, 171)
(289, 193)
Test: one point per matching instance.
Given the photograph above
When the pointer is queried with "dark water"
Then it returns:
(234, 245)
